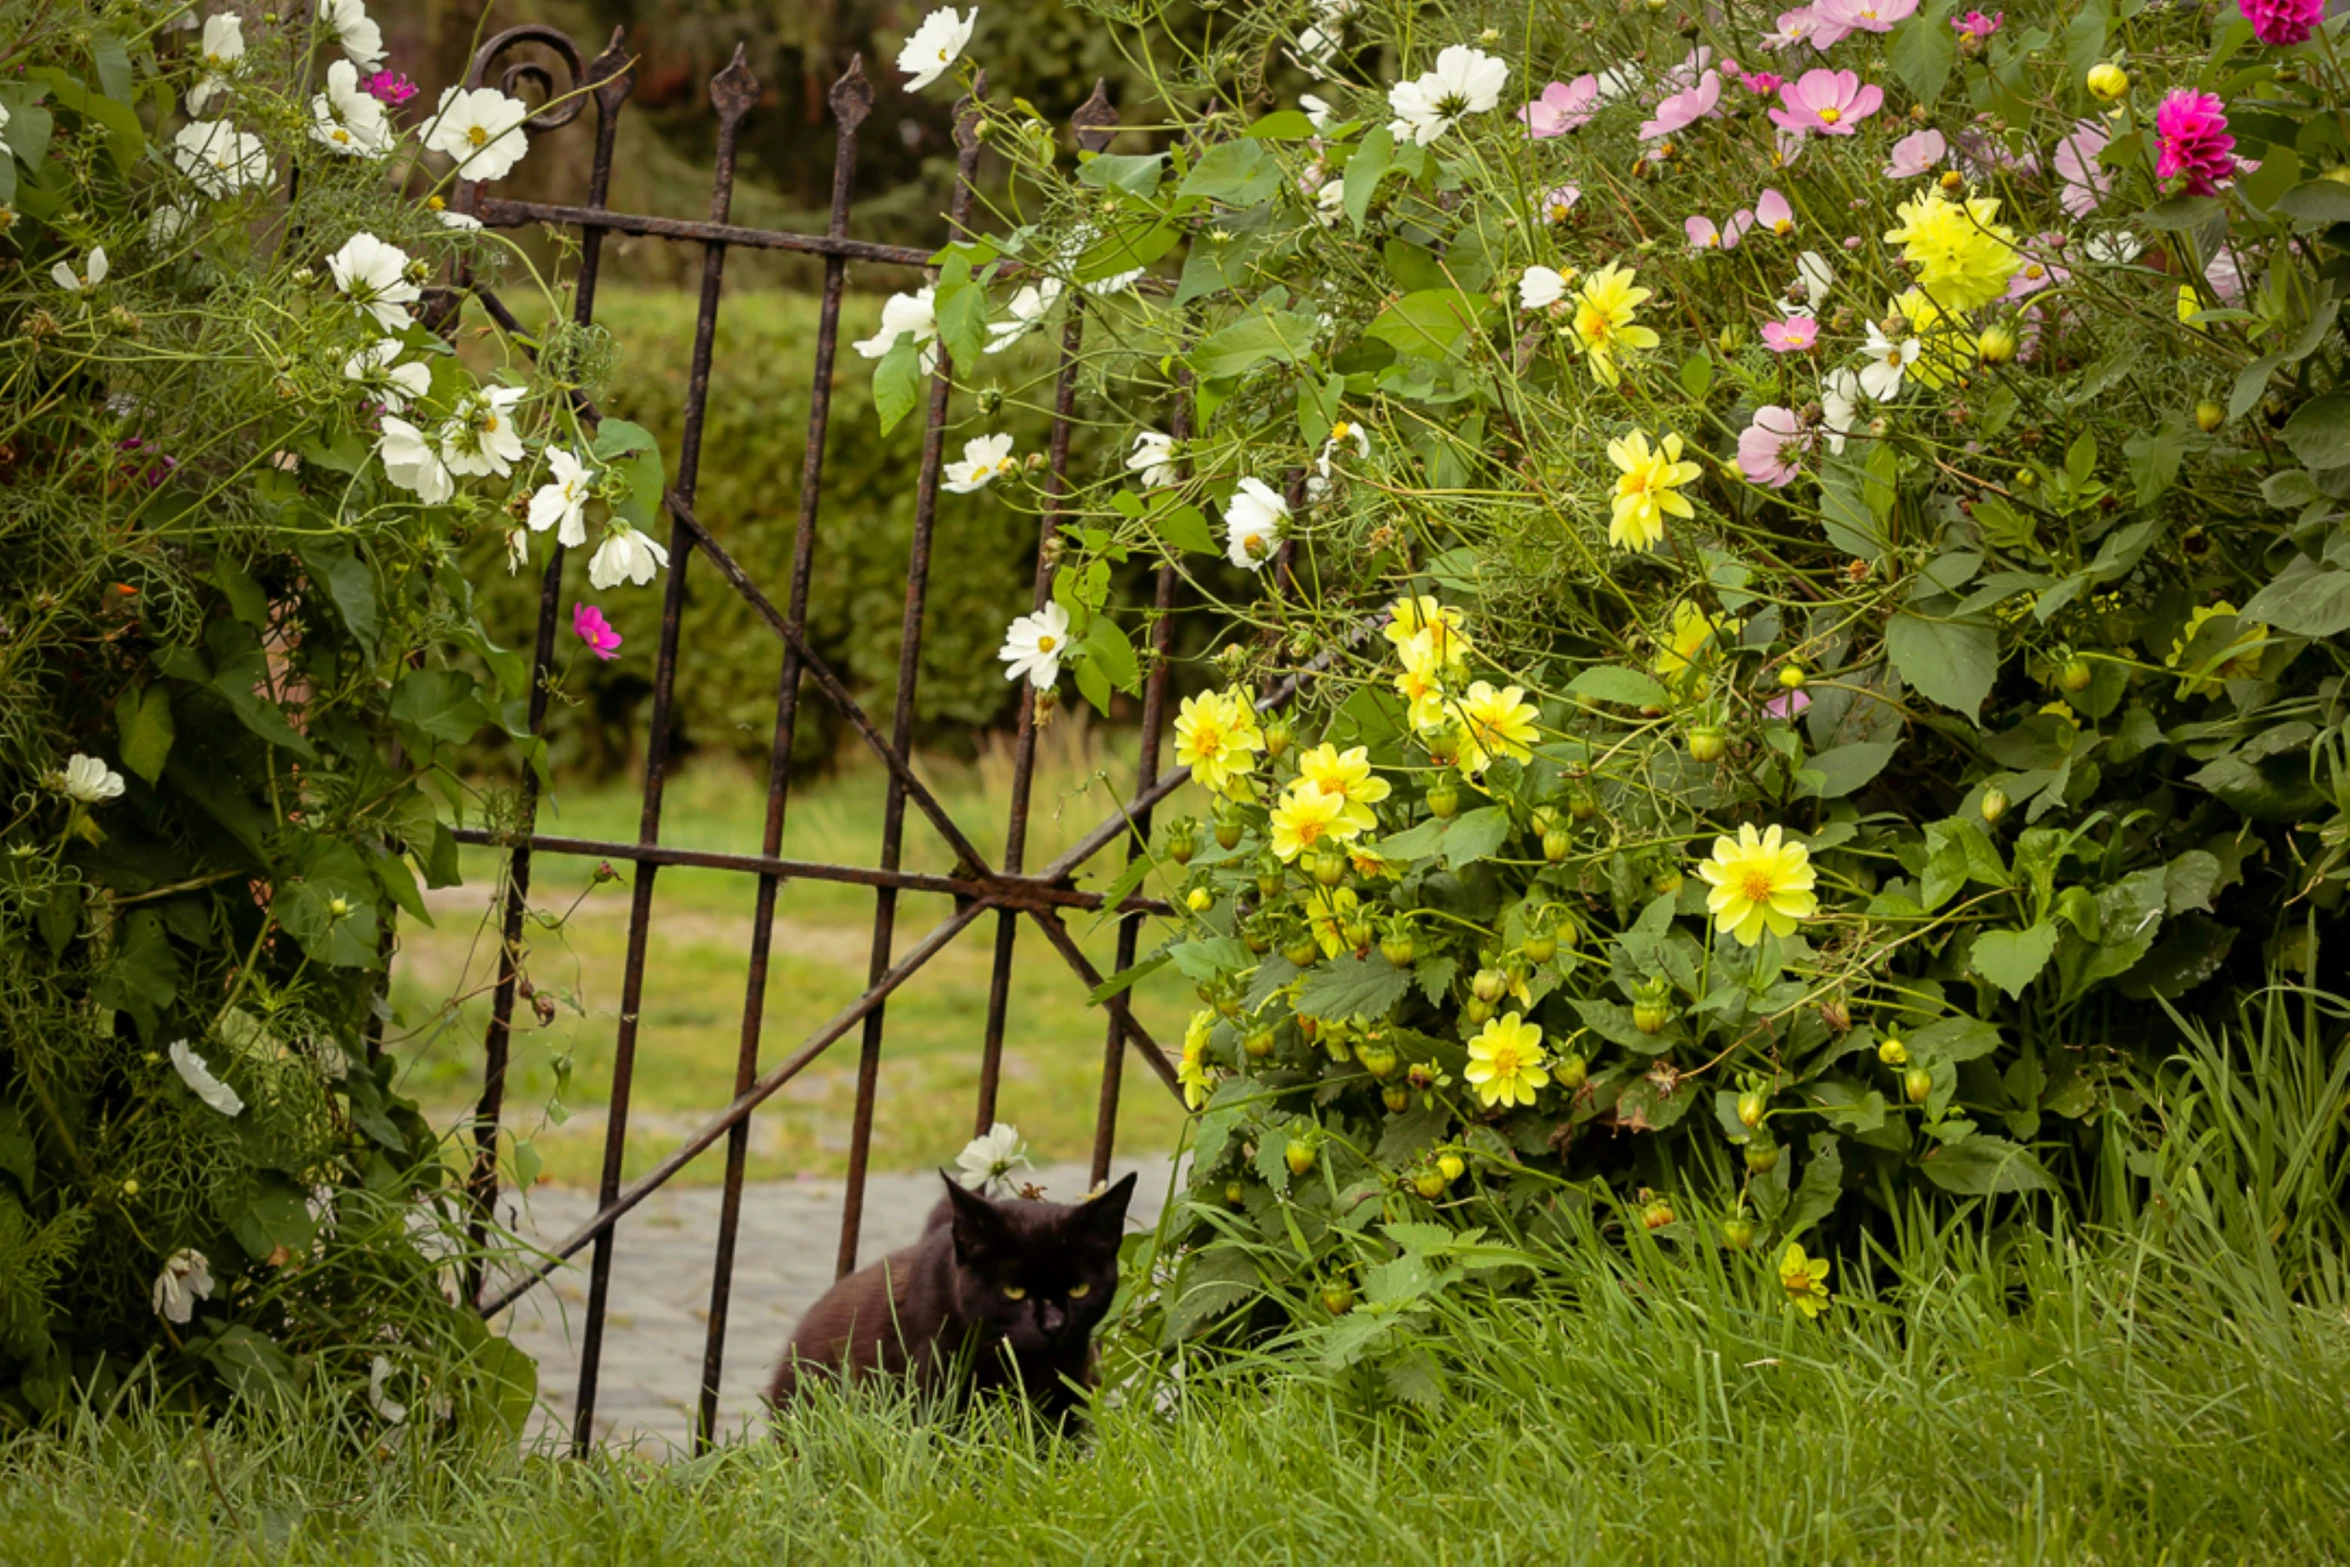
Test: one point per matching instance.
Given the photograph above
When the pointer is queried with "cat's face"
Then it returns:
(1038, 1275)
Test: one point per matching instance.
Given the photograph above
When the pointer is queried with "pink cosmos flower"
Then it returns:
(1771, 450)
(1976, 25)
(2084, 183)
(1786, 147)
(1563, 107)
(1787, 705)
(390, 88)
(1797, 26)
(1795, 335)
(1916, 154)
(1987, 155)
(1684, 76)
(1829, 103)
(1866, 16)
(2279, 23)
(1760, 83)
(2039, 269)
(2193, 144)
(1558, 201)
(589, 624)
(1684, 109)
(1772, 212)
(1704, 236)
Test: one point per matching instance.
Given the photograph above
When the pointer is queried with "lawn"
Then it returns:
(697, 968)
(2019, 1401)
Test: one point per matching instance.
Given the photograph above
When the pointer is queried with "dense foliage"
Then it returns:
(1815, 562)
(236, 646)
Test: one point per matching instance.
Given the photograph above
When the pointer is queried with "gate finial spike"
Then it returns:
(1096, 122)
(613, 72)
(852, 96)
(734, 90)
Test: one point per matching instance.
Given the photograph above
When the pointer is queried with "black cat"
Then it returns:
(994, 1295)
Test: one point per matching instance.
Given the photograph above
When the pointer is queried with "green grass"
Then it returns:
(2042, 1402)
(697, 972)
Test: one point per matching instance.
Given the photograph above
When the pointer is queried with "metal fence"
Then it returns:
(1012, 893)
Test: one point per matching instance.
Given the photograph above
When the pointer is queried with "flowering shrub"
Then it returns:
(235, 647)
(1812, 556)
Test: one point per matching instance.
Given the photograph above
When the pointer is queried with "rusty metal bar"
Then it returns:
(1096, 124)
(893, 757)
(609, 1212)
(893, 816)
(852, 101)
(498, 212)
(732, 92)
(615, 80)
(997, 892)
(1118, 1006)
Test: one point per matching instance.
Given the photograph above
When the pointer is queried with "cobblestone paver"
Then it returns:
(659, 1311)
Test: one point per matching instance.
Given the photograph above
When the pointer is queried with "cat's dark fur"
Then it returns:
(994, 1295)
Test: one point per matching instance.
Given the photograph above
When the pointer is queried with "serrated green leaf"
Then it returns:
(2012, 959)
(1946, 659)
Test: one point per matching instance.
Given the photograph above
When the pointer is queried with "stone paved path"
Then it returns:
(659, 1310)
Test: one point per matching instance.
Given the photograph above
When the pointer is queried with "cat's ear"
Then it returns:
(1103, 1218)
(979, 1228)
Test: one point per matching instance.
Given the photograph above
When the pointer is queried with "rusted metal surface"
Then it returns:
(565, 90)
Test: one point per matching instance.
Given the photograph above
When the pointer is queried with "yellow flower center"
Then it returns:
(477, 134)
(1207, 738)
(1507, 1060)
(341, 135)
(435, 203)
(489, 423)
(1308, 831)
(1341, 430)
(1634, 483)
(1046, 642)
(1754, 884)
(1830, 115)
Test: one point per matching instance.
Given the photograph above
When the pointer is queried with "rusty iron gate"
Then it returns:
(1008, 890)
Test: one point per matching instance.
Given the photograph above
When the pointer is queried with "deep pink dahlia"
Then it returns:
(2282, 22)
(390, 88)
(2193, 143)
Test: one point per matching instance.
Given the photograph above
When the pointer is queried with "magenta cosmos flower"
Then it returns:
(1563, 107)
(390, 88)
(1760, 83)
(1976, 25)
(2192, 142)
(1795, 335)
(1830, 103)
(2282, 22)
(1684, 109)
(1770, 450)
(589, 624)
(1916, 154)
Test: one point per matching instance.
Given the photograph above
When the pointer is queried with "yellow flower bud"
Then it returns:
(1997, 345)
(2109, 82)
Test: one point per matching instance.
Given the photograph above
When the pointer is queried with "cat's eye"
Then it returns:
(1014, 1292)
(1079, 1291)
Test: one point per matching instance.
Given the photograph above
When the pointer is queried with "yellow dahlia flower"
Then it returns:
(1604, 323)
(1963, 258)
(1647, 489)
(1759, 882)
(1306, 817)
(1217, 737)
(1506, 1065)
(1346, 774)
(1495, 723)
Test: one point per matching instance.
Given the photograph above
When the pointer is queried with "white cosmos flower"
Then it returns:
(985, 459)
(1814, 276)
(481, 128)
(1465, 81)
(1318, 113)
(934, 46)
(390, 1411)
(186, 1279)
(374, 276)
(223, 47)
(88, 780)
(1540, 288)
(462, 222)
(348, 24)
(1253, 519)
(167, 223)
(905, 314)
(1330, 204)
(81, 282)
(346, 119)
(2117, 249)
(1840, 407)
(1153, 459)
(626, 556)
(988, 1159)
(1028, 307)
(1888, 362)
(1033, 646)
(411, 463)
(480, 439)
(562, 501)
(392, 384)
(1317, 51)
(201, 1082)
(221, 159)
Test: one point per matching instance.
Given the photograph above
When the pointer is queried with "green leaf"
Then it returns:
(1984, 1165)
(1126, 979)
(2084, 39)
(252, 1365)
(1126, 247)
(440, 703)
(1922, 52)
(1954, 1039)
(2012, 959)
(348, 581)
(897, 383)
(276, 1214)
(1612, 683)
(125, 137)
(1251, 341)
(616, 438)
(2314, 204)
(1108, 649)
(142, 977)
(962, 312)
(1239, 173)
(1282, 125)
(1365, 170)
(1353, 987)
(1846, 516)
(2189, 881)
(1186, 528)
(143, 719)
(114, 68)
(1429, 322)
(308, 909)
(1203, 961)
(2182, 212)
(2319, 431)
(243, 678)
(1846, 768)
(1822, 1184)
(2308, 599)
(1471, 835)
(1949, 661)
(1137, 173)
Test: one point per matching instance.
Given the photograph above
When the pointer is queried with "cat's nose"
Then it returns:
(1051, 1318)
